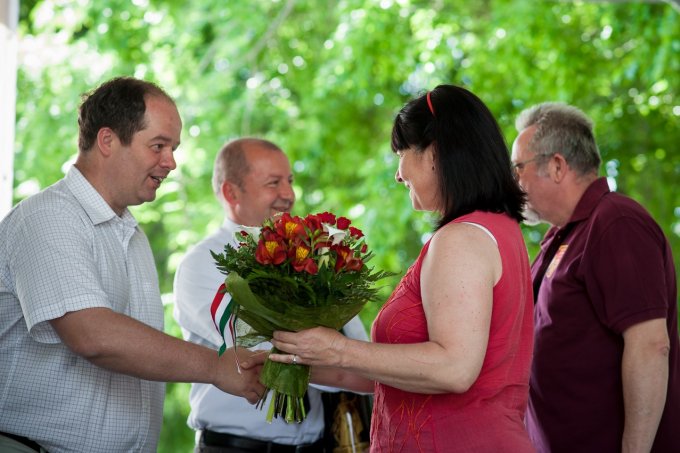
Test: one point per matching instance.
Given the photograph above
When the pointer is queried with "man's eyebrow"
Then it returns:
(165, 139)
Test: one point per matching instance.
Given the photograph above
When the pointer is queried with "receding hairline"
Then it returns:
(232, 163)
(249, 142)
(563, 128)
(539, 112)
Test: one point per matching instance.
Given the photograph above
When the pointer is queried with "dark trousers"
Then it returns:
(211, 442)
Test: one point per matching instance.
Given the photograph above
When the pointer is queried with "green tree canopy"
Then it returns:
(324, 79)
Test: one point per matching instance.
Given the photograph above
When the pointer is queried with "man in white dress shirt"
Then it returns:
(252, 179)
(82, 354)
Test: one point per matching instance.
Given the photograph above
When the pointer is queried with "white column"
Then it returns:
(9, 16)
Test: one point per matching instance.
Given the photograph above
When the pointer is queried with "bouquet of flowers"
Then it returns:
(292, 274)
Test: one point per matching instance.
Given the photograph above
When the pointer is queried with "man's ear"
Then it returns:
(106, 140)
(230, 192)
(558, 167)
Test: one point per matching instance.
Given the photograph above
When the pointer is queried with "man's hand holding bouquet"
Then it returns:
(292, 274)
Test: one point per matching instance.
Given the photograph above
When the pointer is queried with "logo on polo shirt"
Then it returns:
(556, 260)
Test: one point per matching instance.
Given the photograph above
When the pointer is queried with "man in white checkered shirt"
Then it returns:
(82, 354)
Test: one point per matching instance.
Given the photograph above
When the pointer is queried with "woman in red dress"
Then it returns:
(451, 349)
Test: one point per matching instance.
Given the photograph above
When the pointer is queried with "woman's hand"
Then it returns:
(319, 346)
(325, 349)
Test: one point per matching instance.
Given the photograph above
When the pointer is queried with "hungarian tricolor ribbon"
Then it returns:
(223, 314)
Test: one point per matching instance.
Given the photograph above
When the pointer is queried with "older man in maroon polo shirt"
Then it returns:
(606, 370)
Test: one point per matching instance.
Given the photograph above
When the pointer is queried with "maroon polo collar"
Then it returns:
(585, 206)
(589, 200)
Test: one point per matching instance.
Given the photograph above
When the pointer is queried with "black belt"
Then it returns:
(214, 439)
(22, 440)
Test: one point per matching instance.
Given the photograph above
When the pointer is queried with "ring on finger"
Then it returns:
(295, 358)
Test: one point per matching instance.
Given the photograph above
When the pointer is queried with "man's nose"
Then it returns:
(287, 192)
(168, 160)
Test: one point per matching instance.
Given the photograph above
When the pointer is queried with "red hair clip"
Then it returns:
(429, 103)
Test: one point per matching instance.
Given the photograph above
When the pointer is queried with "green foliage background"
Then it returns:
(324, 78)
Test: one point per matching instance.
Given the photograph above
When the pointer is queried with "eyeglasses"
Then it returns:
(519, 166)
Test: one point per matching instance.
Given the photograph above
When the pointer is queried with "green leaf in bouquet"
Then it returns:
(265, 316)
(240, 291)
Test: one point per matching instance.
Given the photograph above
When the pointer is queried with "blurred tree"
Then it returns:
(324, 78)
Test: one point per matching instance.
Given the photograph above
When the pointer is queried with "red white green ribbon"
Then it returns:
(223, 314)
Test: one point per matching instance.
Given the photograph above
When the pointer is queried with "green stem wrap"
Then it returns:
(289, 383)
